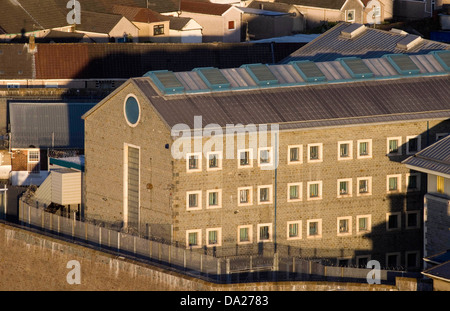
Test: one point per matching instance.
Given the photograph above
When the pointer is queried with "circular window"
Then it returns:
(132, 110)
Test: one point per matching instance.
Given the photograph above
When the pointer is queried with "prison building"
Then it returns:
(337, 130)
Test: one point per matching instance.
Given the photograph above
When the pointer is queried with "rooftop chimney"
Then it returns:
(353, 30)
(409, 42)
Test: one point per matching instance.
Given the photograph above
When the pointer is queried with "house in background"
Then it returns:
(102, 27)
(40, 128)
(185, 30)
(155, 27)
(268, 20)
(353, 11)
(220, 22)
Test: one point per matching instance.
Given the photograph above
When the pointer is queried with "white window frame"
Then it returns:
(258, 228)
(377, 11)
(309, 198)
(349, 182)
(299, 223)
(349, 221)
(250, 234)
(399, 221)
(250, 160)
(418, 181)
(320, 159)
(300, 154)
(368, 156)
(270, 194)
(199, 162)
(346, 15)
(199, 238)
(219, 198)
(38, 155)
(417, 226)
(399, 183)
(270, 163)
(250, 194)
(199, 200)
(399, 146)
(419, 144)
(369, 224)
(350, 150)
(300, 191)
(219, 159)
(319, 235)
(219, 237)
(369, 186)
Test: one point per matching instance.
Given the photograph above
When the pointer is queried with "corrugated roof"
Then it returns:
(315, 105)
(433, 158)
(118, 60)
(44, 125)
(250, 76)
(371, 43)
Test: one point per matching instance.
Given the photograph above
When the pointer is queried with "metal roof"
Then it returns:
(367, 43)
(44, 125)
(308, 105)
(299, 73)
(434, 158)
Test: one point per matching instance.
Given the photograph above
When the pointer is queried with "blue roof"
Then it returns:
(47, 125)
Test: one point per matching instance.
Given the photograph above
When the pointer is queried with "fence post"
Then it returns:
(134, 245)
(59, 224)
(73, 226)
(159, 251)
(201, 263)
(100, 236)
(170, 253)
(29, 216)
(218, 269)
(227, 270)
(151, 248)
(118, 242)
(184, 259)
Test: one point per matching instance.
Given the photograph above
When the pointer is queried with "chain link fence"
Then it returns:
(262, 266)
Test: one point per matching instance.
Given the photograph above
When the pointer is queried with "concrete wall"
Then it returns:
(29, 261)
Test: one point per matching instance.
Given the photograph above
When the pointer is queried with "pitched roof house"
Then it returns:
(102, 27)
(353, 11)
(220, 22)
(155, 27)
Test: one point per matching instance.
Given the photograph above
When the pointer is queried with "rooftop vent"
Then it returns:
(166, 81)
(309, 71)
(408, 42)
(403, 64)
(261, 74)
(353, 30)
(356, 67)
(443, 57)
(213, 78)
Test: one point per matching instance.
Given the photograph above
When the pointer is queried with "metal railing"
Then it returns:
(264, 266)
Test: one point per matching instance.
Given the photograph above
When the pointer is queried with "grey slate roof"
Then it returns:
(433, 158)
(372, 43)
(441, 271)
(98, 22)
(309, 105)
(45, 125)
